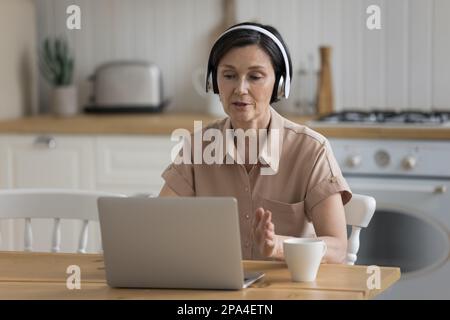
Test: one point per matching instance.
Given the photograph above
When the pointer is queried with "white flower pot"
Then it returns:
(63, 101)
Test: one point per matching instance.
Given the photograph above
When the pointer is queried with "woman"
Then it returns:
(249, 67)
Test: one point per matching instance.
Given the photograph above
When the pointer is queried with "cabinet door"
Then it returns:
(5, 225)
(132, 164)
(4, 163)
(48, 161)
(34, 161)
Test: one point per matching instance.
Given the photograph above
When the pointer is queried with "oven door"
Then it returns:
(410, 230)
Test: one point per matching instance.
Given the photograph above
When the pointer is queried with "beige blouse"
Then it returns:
(307, 173)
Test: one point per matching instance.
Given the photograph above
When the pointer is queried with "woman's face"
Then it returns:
(245, 77)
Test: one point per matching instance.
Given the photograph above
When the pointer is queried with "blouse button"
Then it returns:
(333, 179)
(247, 216)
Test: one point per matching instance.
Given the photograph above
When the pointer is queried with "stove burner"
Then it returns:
(411, 117)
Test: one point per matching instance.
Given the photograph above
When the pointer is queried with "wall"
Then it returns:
(18, 74)
(171, 33)
(404, 65)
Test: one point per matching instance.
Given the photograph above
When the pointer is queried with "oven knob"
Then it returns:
(409, 163)
(382, 158)
(353, 161)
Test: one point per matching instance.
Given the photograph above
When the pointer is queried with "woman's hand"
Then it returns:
(264, 232)
(328, 218)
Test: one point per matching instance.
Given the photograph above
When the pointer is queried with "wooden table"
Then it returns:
(43, 276)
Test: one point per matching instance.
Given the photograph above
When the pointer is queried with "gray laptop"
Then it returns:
(185, 243)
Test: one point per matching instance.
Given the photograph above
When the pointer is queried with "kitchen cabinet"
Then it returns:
(120, 163)
(127, 164)
(33, 161)
(131, 164)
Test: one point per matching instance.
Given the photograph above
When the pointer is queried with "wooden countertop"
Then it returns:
(164, 124)
(383, 132)
(43, 276)
(106, 124)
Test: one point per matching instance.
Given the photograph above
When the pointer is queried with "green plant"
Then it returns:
(56, 62)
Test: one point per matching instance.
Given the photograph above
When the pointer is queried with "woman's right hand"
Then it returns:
(264, 232)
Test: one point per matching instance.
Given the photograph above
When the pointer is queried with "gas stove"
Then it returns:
(376, 117)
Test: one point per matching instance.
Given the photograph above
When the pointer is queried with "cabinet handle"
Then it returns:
(45, 141)
(440, 189)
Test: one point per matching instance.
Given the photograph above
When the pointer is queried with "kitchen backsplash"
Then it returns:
(18, 71)
(403, 65)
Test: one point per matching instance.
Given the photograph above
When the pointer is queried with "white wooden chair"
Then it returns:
(358, 213)
(53, 204)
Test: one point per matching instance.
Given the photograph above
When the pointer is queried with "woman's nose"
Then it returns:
(241, 86)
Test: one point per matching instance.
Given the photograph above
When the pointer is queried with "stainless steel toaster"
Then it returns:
(127, 86)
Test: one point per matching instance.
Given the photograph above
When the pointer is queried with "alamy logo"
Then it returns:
(263, 145)
(74, 280)
(374, 20)
(374, 280)
(74, 20)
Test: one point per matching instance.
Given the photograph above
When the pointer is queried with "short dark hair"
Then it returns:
(244, 37)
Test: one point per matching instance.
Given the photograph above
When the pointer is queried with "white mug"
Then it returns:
(303, 257)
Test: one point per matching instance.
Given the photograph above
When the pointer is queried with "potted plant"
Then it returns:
(57, 65)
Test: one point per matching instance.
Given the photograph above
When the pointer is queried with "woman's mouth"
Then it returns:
(240, 104)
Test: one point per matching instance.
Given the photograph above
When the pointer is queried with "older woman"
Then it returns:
(249, 67)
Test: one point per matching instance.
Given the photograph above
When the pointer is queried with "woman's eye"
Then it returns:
(232, 76)
(255, 77)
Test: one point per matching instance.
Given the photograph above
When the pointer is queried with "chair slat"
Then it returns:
(56, 239)
(353, 245)
(83, 237)
(28, 235)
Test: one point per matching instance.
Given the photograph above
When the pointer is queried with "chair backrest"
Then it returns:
(53, 204)
(358, 213)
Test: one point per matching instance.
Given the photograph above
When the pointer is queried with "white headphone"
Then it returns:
(284, 85)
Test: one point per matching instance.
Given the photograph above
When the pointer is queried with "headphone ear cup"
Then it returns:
(280, 90)
(287, 88)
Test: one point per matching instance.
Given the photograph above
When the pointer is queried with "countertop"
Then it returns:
(164, 124)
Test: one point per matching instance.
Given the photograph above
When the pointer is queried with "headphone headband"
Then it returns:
(287, 81)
